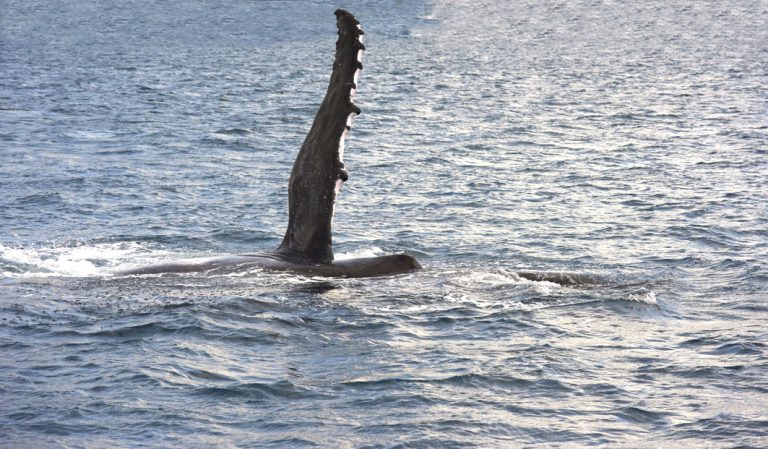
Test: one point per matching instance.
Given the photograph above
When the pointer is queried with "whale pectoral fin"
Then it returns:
(318, 170)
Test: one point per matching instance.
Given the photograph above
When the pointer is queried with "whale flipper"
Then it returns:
(315, 181)
(318, 171)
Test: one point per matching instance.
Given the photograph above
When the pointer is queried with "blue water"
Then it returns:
(626, 143)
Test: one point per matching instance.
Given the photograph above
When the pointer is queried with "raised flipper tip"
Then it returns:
(344, 13)
(346, 21)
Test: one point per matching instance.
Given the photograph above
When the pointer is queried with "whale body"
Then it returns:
(316, 179)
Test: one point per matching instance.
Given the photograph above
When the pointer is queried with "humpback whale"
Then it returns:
(316, 179)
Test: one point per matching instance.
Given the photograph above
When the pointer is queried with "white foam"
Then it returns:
(100, 259)
(499, 279)
(363, 252)
(646, 297)
(47, 263)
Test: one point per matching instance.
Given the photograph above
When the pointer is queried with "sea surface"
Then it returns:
(623, 142)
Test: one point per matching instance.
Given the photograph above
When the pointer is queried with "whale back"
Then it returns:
(318, 171)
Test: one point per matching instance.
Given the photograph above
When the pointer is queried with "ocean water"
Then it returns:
(622, 141)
